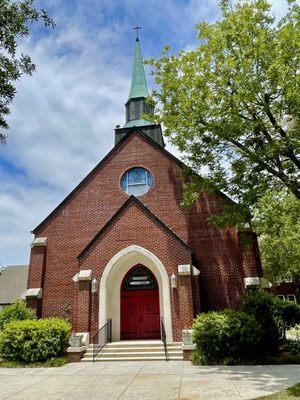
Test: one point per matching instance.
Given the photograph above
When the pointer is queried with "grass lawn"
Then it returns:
(292, 393)
(53, 362)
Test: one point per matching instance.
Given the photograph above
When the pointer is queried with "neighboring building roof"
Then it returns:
(138, 80)
(13, 283)
(133, 199)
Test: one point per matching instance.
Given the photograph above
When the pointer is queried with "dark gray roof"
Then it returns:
(13, 283)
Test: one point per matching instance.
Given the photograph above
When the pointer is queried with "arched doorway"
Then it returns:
(111, 283)
(140, 316)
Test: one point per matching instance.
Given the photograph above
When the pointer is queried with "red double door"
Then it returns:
(140, 317)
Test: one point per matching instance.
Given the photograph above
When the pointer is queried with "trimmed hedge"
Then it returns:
(225, 334)
(34, 341)
(15, 312)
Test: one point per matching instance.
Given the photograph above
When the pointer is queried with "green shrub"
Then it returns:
(274, 315)
(288, 314)
(225, 334)
(34, 341)
(292, 346)
(16, 312)
(263, 306)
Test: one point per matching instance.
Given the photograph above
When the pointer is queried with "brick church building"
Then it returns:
(120, 246)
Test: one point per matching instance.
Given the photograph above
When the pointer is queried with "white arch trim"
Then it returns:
(142, 255)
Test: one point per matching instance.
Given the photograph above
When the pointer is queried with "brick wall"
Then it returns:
(135, 227)
(218, 254)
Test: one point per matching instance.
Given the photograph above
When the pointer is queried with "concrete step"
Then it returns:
(135, 354)
(134, 350)
(107, 349)
(141, 358)
(141, 343)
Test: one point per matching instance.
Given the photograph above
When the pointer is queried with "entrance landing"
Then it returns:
(133, 342)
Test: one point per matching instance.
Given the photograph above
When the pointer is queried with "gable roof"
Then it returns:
(13, 283)
(150, 214)
(119, 144)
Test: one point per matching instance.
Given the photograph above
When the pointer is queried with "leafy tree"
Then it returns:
(277, 221)
(15, 17)
(232, 104)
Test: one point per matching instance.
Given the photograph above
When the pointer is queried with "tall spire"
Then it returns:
(136, 105)
(138, 80)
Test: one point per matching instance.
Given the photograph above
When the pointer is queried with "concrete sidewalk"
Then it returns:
(149, 380)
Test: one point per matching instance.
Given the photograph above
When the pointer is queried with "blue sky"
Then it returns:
(63, 117)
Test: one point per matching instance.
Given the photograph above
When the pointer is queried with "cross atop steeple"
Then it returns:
(137, 27)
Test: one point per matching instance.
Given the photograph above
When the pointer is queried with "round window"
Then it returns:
(136, 181)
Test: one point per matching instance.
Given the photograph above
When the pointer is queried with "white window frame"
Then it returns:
(294, 297)
(281, 296)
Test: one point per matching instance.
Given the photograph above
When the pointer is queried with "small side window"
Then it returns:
(291, 297)
(281, 296)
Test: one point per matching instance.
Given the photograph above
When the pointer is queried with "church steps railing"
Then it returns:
(101, 338)
(164, 337)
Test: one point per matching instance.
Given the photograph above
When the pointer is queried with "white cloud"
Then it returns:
(62, 124)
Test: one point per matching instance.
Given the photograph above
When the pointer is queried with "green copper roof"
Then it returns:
(138, 80)
(137, 122)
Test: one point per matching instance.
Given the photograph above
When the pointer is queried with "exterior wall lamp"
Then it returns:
(94, 286)
(174, 281)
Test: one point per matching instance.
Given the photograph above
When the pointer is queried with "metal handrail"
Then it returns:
(164, 337)
(101, 338)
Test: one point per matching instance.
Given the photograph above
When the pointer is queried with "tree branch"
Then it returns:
(289, 153)
(292, 185)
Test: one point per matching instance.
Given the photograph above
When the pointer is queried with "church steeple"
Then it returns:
(136, 104)
(138, 80)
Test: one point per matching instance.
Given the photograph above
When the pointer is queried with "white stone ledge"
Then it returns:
(34, 293)
(76, 349)
(185, 270)
(251, 281)
(186, 347)
(41, 241)
(84, 275)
